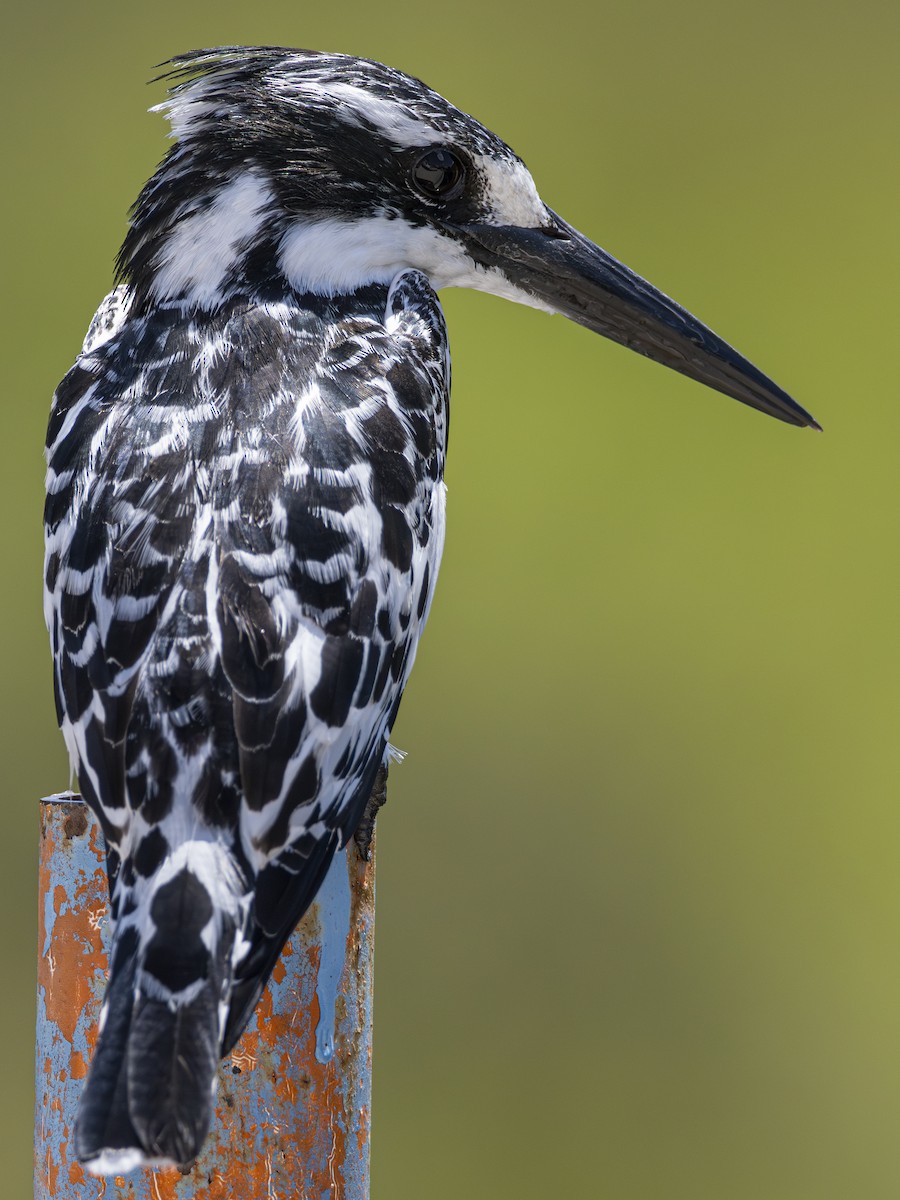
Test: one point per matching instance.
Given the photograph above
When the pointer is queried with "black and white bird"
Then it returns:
(245, 517)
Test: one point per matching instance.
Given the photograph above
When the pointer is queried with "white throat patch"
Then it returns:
(331, 256)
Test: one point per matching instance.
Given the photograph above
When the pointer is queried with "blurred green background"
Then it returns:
(638, 889)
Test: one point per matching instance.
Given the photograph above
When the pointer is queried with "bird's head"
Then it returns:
(301, 172)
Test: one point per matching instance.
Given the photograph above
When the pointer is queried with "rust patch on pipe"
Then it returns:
(76, 823)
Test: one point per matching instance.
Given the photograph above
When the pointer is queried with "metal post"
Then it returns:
(294, 1098)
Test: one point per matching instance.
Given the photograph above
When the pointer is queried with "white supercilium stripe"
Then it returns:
(386, 115)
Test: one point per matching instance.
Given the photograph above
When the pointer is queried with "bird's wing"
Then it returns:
(244, 523)
(327, 557)
(117, 517)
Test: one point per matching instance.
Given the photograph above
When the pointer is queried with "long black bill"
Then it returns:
(565, 271)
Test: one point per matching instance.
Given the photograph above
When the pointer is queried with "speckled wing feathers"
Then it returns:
(244, 524)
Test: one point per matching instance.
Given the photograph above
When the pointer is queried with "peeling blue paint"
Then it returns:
(49, 917)
(334, 923)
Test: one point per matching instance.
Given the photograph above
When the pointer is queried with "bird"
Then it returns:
(245, 515)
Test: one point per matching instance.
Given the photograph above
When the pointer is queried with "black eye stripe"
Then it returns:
(438, 174)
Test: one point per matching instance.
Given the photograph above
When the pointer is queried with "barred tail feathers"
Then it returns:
(149, 1093)
(104, 1134)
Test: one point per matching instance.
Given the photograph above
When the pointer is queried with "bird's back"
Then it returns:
(245, 519)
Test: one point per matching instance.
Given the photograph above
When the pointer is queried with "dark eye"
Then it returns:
(438, 174)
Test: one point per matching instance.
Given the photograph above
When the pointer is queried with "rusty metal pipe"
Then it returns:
(294, 1097)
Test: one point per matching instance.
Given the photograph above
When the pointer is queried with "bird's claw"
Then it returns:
(365, 830)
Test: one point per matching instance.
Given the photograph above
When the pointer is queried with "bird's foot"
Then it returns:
(366, 828)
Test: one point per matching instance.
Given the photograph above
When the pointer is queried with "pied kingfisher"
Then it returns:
(245, 517)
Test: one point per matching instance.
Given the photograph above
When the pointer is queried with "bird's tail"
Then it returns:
(149, 1093)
